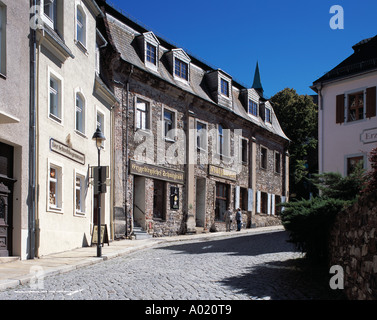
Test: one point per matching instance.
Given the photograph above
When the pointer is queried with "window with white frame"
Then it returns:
(80, 113)
(55, 187)
(268, 115)
(201, 135)
(181, 69)
(224, 87)
(79, 194)
(2, 39)
(151, 53)
(80, 25)
(49, 12)
(142, 114)
(55, 107)
(253, 108)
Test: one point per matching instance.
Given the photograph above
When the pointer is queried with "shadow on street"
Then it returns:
(248, 245)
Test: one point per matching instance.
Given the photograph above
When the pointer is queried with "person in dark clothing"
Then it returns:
(239, 219)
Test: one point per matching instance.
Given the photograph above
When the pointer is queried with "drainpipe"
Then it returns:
(125, 146)
(32, 141)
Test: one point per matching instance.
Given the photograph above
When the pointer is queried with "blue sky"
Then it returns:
(292, 39)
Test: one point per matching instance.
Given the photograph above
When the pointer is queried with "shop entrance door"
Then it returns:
(222, 200)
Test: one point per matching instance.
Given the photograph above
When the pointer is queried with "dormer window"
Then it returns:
(253, 108)
(224, 87)
(151, 53)
(149, 46)
(181, 69)
(268, 115)
(179, 63)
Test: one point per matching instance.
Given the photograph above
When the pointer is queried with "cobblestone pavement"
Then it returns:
(259, 266)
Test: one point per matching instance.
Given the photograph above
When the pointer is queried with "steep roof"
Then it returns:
(124, 32)
(362, 60)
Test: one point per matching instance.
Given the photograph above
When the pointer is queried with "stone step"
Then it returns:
(139, 233)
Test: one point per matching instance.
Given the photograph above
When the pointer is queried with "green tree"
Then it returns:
(297, 115)
(309, 221)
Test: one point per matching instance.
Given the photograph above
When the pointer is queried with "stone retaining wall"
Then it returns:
(353, 246)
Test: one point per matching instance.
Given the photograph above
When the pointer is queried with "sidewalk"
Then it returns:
(16, 272)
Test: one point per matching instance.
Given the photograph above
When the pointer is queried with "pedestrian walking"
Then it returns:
(228, 216)
(239, 219)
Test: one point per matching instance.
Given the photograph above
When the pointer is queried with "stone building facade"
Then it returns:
(189, 140)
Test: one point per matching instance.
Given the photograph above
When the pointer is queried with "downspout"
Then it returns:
(32, 141)
(320, 100)
(125, 147)
(127, 155)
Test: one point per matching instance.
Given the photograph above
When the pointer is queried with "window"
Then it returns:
(55, 99)
(356, 106)
(54, 187)
(244, 150)
(268, 115)
(224, 87)
(80, 113)
(201, 135)
(263, 159)
(264, 202)
(181, 69)
(151, 53)
(2, 39)
(253, 108)
(243, 199)
(79, 194)
(168, 124)
(277, 162)
(353, 163)
(159, 199)
(49, 13)
(221, 139)
(142, 114)
(81, 26)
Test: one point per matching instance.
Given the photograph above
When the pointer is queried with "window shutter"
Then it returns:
(340, 108)
(371, 102)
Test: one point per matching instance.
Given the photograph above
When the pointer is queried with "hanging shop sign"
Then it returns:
(66, 151)
(155, 172)
(222, 172)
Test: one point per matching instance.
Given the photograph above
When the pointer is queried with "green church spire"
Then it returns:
(257, 85)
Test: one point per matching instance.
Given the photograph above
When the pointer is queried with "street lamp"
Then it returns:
(99, 138)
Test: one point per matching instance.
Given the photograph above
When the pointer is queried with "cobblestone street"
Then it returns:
(259, 266)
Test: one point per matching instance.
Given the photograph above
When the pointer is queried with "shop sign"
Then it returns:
(66, 151)
(369, 136)
(222, 172)
(155, 172)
